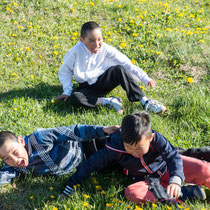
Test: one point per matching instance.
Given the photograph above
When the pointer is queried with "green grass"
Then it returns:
(167, 39)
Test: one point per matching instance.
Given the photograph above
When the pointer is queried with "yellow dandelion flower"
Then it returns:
(143, 61)
(14, 35)
(24, 20)
(201, 41)
(75, 33)
(46, 8)
(191, 16)
(103, 192)
(29, 85)
(135, 34)
(176, 29)
(133, 61)
(41, 18)
(119, 6)
(28, 48)
(27, 134)
(141, 45)
(123, 45)
(128, 207)
(7, 8)
(9, 54)
(51, 188)
(75, 187)
(31, 197)
(15, 4)
(120, 201)
(73, 10)
(168, 207)
(187, 209)
(115, 200)
(189, 79)
(19, 59)
(109, 204)
(15, 109)
(32, 76)
(168, 29)
(3, 63)
(91, 4)
(14, 74)
(137, 10)
(52, 196)
(109, 40)
(29, 26)
(55, 38)
(15, 22)
(73, 38)
(154, 205)
(180, 207)
(142, 87)
(138, 208)
(132, 21)
(190, 33)
(181, 15)
(55, 53)
(40, 56)
(86, 204)
(158, 53)
(98, 187)
(86, 196)
(78, 185)
(186, 25)
(54, 208)
(111, 196)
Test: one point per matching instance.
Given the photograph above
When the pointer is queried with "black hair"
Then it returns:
(7, 136)
(134, 126)
(87, 27)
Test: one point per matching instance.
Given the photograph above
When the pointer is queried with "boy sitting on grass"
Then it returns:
(142, 151)
(54, 151)
(99, 68)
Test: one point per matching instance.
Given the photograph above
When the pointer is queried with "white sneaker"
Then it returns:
(116, 104)
(154, 106)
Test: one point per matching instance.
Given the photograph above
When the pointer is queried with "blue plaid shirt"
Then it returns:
(53, 151)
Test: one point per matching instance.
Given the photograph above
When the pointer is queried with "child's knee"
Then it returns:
(139, 193)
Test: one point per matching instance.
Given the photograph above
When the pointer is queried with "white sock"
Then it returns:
(143, 100)
(106, 101)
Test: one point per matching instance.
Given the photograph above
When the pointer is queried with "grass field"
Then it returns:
(167, 39)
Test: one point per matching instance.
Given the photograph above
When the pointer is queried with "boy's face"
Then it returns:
(13, 153)
(93, 40)
(141, 148)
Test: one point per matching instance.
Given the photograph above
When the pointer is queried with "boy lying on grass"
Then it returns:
(142, 151)
(99, 68)
(54, 151)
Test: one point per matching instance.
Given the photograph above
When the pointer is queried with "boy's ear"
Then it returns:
(151, 137)
(81, 39)
(21, 140)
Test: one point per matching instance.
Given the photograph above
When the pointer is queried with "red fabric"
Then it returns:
(196, 172)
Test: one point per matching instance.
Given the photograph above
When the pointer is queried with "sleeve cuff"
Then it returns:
(175, 180)
(68, 190)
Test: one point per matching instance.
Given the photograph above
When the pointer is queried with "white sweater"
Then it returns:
(87, 67)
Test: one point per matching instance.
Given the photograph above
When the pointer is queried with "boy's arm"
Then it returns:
(96, 162)
(66, 72)
(172, 158)
(118, 58)
(87, 132)
(7, 173)
(76, 132)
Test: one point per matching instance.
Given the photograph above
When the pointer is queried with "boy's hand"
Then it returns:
(62, 97)
(110, 129)
(173, 190)
(152, 83)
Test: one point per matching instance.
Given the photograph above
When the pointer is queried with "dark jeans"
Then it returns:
(87, 95)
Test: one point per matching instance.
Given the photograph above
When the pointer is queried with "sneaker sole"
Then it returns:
(163, 110)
